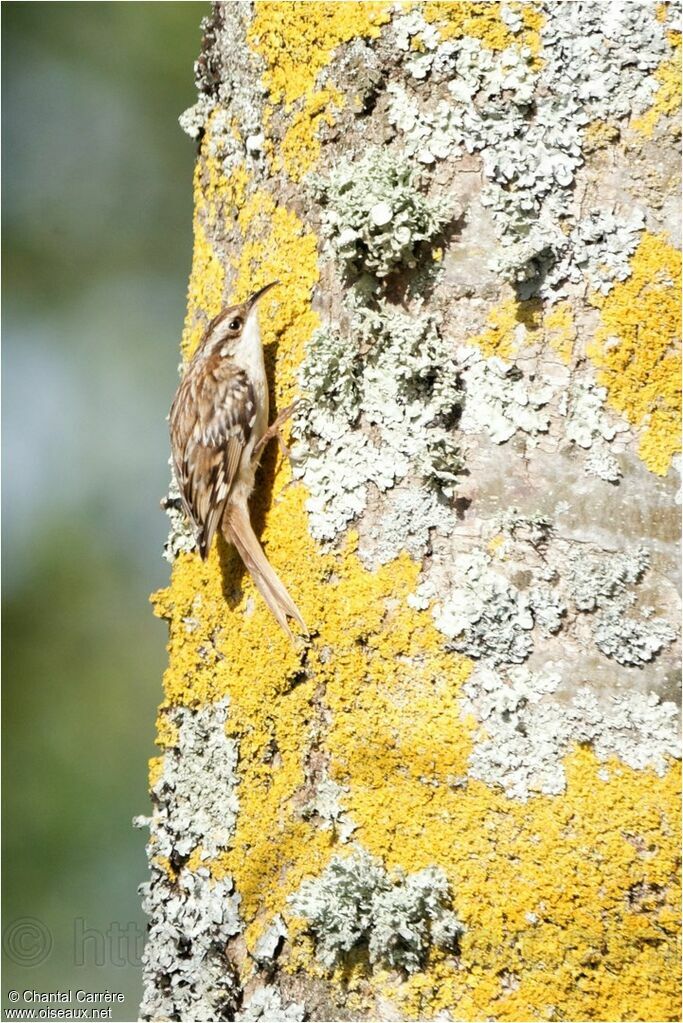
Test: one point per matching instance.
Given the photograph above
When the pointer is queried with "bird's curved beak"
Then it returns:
(251, 302)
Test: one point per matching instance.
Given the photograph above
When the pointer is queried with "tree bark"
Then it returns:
(457, 798)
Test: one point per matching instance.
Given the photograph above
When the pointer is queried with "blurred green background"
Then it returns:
(97, 210)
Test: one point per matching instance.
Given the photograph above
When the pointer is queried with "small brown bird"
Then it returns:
(219, 421)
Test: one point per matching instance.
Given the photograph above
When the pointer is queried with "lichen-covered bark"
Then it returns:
(459, 798)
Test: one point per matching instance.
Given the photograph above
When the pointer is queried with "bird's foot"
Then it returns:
(274, 431)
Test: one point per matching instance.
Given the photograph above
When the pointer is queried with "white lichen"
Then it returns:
(500, 400)
(357, 904)
(374, 214)
(589, 427)
(186, 971)
(597, 579)
(630, 639)
(526, 729)
(548, 608)
(527, 121)
(603, 244)
(601, 463)
(493, 608)
(327, 805)
(381, 402)
(185, 967)
(483, 615)
(181, 536)
(404, 518)
(195, 796)
(270, 942)
(266, 1004)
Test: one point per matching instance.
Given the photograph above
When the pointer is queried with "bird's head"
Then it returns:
(234, 326)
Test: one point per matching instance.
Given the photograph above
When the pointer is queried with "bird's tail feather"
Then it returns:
(238, 531)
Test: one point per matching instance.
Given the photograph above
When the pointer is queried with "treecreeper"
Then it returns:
(218, 425)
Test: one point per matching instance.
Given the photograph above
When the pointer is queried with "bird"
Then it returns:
(218, 426)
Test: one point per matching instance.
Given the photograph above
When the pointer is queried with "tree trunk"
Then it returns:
(457, 798)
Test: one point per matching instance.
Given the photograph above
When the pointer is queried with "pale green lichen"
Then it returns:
(327, 807)
(526, 110)
(356, 905)
(375, 215)
(484, 614)
(192, 916)
(631, 640)
(501, 400)
(603, 583)
(266, 1004)
(589, 428)
(381, 401)
(527, 726)
(483, 611)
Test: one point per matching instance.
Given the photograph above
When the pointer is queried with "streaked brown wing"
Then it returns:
(211, 422)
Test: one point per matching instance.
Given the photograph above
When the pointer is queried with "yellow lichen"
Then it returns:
(560, 330)
(495, 544)
(544, 889)
(636, 349)
(155, 769)
(550, 890)
(483, 21)
(167, 733)
(301, 145)
(510, 326)
(205, 291)
(599, 135)
(214, 196)
(297, 39)
(163, 863)
(667, 101)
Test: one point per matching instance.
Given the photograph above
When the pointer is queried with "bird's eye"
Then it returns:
(235, 324)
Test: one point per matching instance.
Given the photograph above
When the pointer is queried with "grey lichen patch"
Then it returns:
(227, 76)
(484, 615)
(600, 462)
(500, 399)
(266, 1004)
(187, 974)
(194, 119)
(548, 607)
(604, 583)
(598, 579)
(403, 518)
(589, 427)
(630, 639)
(270, 942)
(181, 537)
(374, 214)
(494, 607)
(602, 245)
(357, 905)
(381, 403)
(195, 800)
(526, 729)
(328, 807)
(528, 122)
